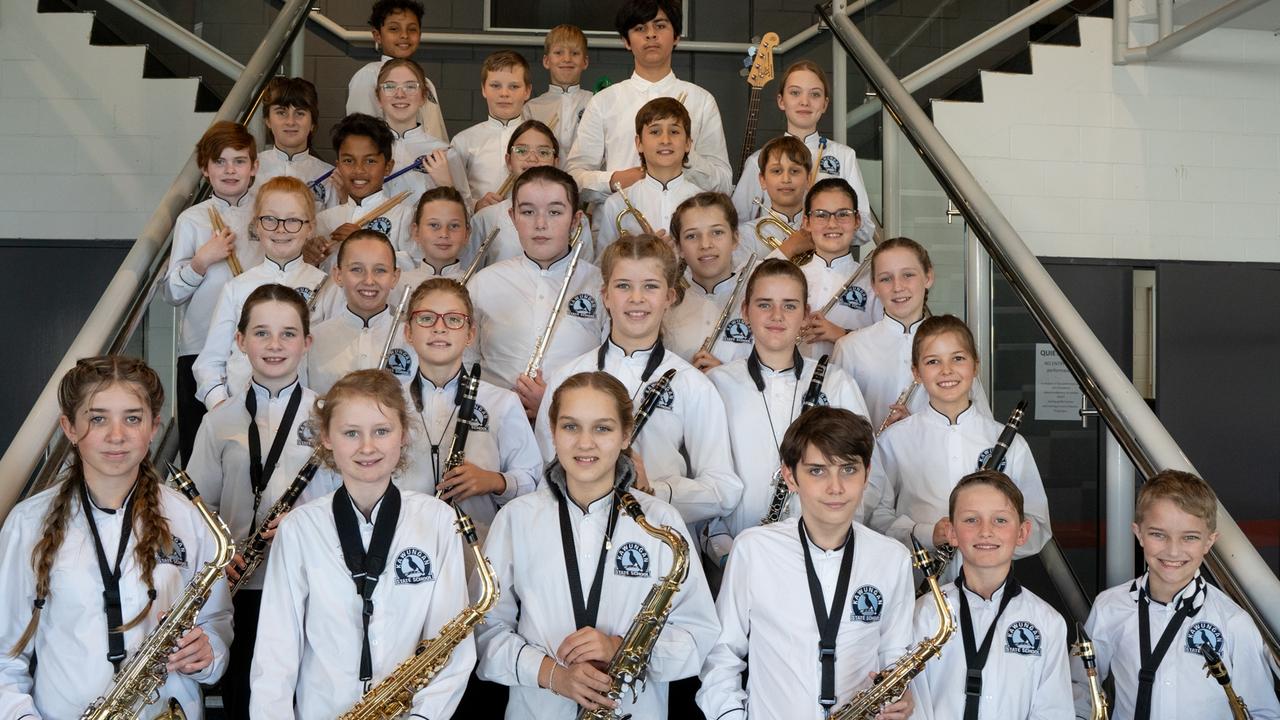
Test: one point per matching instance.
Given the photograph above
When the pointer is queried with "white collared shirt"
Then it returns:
(749, 240)
(686, 326)
(606, 138)
(837, 160)
(1026, 676)
(560, 108)
(507, 243)
(71, 639)
(483, 149)
(395, 223)
(413, 144)
(534, 613)
(274, 162)
(362, 97)
(689, 423)
(920, 458)
(307, 658)
(656, 201)
(858, 306)
(221, 370)
(513, 301)
(759, 418)
(219, 463)
(1182, 690)
(766, 613)
(194, 294)
(348, 342)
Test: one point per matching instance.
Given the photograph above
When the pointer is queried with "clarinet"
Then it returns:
(468, 386)
(648, 403)
(256, 546)
(780, 495)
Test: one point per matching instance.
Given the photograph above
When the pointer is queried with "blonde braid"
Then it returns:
(154, 538)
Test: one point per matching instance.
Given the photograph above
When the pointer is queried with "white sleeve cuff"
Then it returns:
(216, 396)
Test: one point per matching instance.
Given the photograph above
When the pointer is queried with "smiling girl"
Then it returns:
(401, 92)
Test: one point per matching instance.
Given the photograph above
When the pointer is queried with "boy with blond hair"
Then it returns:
(562, 105)
(504, 82)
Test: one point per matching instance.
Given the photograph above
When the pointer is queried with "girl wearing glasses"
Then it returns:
(502, 458)
(284, 216)
(401, 95)
(532, 144)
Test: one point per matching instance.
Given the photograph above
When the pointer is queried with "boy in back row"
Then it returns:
(397, 30)
(561, 106)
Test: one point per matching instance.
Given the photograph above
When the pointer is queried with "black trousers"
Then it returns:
(190, 411)
(235, 683)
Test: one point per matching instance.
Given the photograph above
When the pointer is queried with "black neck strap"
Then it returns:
(586, 611)
(1151, 659)
(757, 377)
(975, 657)
(366, 566)
(110, 577)
(655, 359)
(828, 620)
(259, 472)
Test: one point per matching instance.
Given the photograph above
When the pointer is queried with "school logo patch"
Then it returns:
(867, 604)
(479, 419)
(382, 224)
(177, 556)
(985, 455)
(1022, 638)
(305, 293)
(582, 305)
(1204, 633)
(398, 362)
(829, 165)
(307, 433)
(855, 298)
(412, 567)
(632, 560)
(737, 331)
(666, 400)
(320, 191)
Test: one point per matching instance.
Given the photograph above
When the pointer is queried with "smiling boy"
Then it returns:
(396, 26)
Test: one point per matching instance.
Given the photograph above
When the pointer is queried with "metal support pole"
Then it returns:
(977, 305)
(1119, 491)
(295, 65)
(1164, 17)
(1120, 32)
(840, 81)
(1192, 30)
(890, 190)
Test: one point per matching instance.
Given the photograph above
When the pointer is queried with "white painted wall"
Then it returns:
(88, 145)
(1175, 159)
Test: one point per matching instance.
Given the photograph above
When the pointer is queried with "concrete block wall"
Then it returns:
(1177, 159)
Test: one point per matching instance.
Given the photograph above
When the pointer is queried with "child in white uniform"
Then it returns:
(803, 97)
(547, 638)
(1015, 641)
(662, 137)
(923, 456)
(401, 84)
(284, 214)
(248, 452)
(1176, 525)
(198, 265)
(604, 150)
(397, 30)
(290, 108)
(109, 523)
(784, 175)
(819, 603)
(683, 454)
(505, 84)
(562, 105)
(360, 576)
(440, 230)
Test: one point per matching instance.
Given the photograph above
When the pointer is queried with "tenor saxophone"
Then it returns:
(255, 548)
(630, 664)
(137, 683)
(1083, 649)
(891, 683)
(779, 494)
(1218, 671)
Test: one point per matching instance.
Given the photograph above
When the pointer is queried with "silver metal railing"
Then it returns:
(186, 40)
(1234, 562)
(123, 304)
(1122, 53)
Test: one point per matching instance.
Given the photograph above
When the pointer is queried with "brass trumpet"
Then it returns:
(631, 210)
(773, 218)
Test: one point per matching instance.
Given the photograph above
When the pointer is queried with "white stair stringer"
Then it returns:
(90, 145)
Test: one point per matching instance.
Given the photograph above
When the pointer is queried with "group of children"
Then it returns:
(350, 336)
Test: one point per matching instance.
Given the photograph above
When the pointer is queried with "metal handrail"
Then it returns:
(1146, 441)
(120, 310)
(183, 38)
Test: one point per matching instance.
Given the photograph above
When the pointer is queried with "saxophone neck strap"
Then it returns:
(260, 472)
(975, 657)
(656, 355)
(111, 604)
(828, 621)
(366, 566)
(585, 611)
(1151, 658)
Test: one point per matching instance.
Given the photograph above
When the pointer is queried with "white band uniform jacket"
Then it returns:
(656, 200)
(754, 442)
(513, 301)
(838, 160)
(879, 358)
(507, 244)
(395, 223)
(348, 342)
(606, 138)
(309, 629)
(274, 162)
(194, 293)
(534, 613)
(560, 108)
(362, 97)
(766, 613)
(920, 458)
(413, 144)
(858, 307)
(71, 640)
(1026, 675)
(483, 149)
(689, 422)
(219, 463)
(1182, 690)
(686, 326)
(221, 370)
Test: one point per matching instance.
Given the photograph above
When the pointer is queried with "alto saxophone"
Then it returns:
(630, 664)
(779, 494)
(1218, 671)
(1083, 649)
(255, 548)
(137, 683)
(891, 683)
